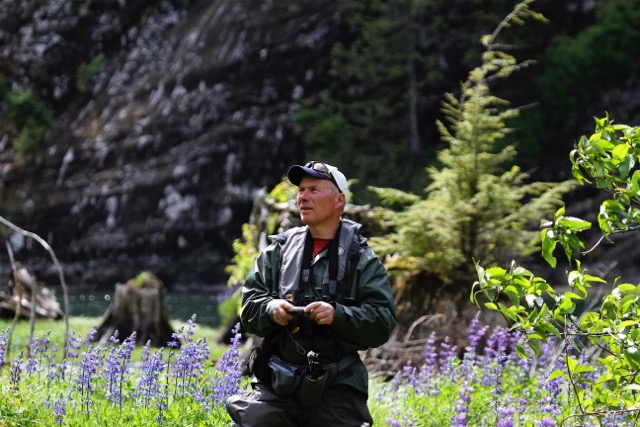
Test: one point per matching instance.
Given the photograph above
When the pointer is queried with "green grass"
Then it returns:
(83, 326)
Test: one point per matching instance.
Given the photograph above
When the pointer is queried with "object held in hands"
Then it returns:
(296, 310)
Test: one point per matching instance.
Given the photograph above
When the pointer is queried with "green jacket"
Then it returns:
(365, 323)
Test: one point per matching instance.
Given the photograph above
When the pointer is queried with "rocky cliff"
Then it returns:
(157, 156)
(156, 164)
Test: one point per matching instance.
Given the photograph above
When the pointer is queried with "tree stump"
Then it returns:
(138, 306)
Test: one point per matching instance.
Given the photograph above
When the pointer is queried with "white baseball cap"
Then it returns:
(319, 170)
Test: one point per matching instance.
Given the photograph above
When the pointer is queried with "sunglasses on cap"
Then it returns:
(324, 170)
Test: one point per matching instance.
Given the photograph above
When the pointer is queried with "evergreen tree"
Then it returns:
(387, 73)
(479, 204)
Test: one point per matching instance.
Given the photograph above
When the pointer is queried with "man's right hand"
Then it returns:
(281, 312)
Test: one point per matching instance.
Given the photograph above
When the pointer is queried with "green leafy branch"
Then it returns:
(609, 160)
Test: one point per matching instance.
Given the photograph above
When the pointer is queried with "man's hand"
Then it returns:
(282, 312)
(321, 312)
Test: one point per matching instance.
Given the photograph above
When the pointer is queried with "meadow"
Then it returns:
(118, 384)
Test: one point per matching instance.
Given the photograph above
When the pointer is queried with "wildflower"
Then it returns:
(3, 345)
(409, 376)
(448, 354)
(227, 382)
(87, 375)
(148, 386)
(393, 423)
(546, 422)
(59, 410)
(190, 361)
(427, 372)
(475, 335)
(116, 365)
(51, 365)
(495, 358)
(32, 362)
(504, 417)
(71, 350)
(462, 406)
(16, 372)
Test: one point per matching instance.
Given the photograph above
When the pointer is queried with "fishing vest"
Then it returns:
(295, 262)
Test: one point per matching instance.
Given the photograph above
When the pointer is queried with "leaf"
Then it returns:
(620, 151)
(558, 373)
(548, 246)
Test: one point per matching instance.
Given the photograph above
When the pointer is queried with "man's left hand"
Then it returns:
(321, 312)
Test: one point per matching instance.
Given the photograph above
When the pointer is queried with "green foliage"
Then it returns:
(367, 115)
(86, 71)
(247, 248)
(576, 67)
(31, 117)
(609, 159)
(30, 139)
(478, 204)
(24, 105)
(143, 278)
(283, 191)
(245, 251)
(325, 136)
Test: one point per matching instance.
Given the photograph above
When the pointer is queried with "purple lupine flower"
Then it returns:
(92, 335)
(475, 334)
(448, 354)
(430, 353)
(38, 347)
(494, 359)
(227, 293)
(190, 361)
(393, 423)
(162, 404)
(3, 345)
(148, 386)
(409, 375)
(87, 375)
(60, 410)
(396, 382)
(16, 372)
(520, 408)
(549, 353)
(462, 406)
(229, 371)
(72, 351)
(52, 373)
(32, 362)
(504, 416)
(546, 422)
(524, 363)
(429, 368)
(116, 366)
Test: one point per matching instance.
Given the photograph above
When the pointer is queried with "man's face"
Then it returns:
(318, 201)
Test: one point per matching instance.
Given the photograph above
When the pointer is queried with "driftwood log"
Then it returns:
(138, 306)
(25, 294)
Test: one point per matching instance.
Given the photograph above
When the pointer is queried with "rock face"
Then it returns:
(156, 158)
(157, 163)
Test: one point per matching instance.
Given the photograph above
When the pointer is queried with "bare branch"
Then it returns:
(45, 245)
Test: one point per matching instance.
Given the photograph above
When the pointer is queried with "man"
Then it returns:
(317, 295)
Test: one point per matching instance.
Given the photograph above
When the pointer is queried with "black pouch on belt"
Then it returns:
(312, 388)
(285, 377)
